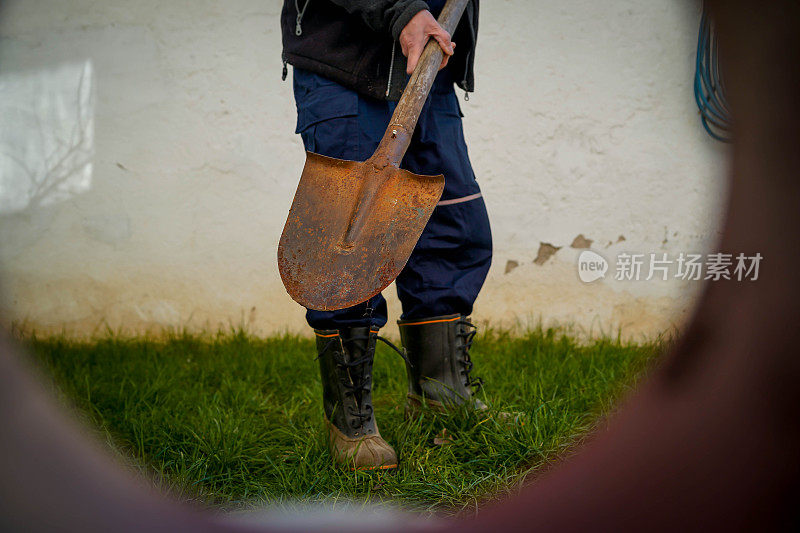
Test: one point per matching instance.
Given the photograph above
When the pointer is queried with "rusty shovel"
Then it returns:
(353, 225)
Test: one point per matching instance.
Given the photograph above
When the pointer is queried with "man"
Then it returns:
(348, 74)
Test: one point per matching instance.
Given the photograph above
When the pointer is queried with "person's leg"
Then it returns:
(447, 269)
(449, 264)
(336, 122)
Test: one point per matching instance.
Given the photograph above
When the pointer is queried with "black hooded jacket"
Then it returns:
(355, 42)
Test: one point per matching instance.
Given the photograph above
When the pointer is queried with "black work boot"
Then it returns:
(345, 362)
(439, 371)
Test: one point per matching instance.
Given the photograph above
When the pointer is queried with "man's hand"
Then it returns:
(415, 36)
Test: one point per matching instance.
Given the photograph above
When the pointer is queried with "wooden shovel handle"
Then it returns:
(395, 142)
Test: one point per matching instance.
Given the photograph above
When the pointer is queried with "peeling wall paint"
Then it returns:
(582, 133)
(546, 251)
(580, 242)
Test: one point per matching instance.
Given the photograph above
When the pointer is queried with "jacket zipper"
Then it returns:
(298, 30)
(391, 70)
(470, 10)
(464, 81)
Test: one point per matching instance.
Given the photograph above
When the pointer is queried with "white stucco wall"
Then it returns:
(148, 161)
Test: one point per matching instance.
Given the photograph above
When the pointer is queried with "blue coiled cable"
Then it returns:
(709, 87)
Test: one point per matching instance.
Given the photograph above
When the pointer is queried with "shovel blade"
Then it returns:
(321, 273)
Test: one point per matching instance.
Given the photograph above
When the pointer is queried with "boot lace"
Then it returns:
(356, 381)
(466, 333)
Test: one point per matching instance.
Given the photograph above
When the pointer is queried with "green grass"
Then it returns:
(233, 421)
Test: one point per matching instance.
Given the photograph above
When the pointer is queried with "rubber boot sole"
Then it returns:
(370, 452)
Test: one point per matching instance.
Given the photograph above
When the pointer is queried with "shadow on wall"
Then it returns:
(46, 136)
(46, 148)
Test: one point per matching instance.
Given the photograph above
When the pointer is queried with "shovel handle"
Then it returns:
(395, 142)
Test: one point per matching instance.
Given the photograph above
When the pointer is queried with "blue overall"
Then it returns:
(449, 264)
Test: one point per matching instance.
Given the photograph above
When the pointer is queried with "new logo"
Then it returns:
(591, 266)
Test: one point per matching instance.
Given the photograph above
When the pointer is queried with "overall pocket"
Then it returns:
(327, 115)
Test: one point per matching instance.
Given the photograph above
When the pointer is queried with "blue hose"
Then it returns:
(709, 88)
